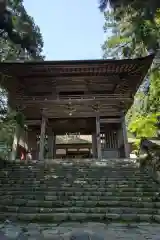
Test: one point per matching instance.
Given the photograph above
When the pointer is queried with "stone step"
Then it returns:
(72, 165)
(86, 160)
(80, 203)
(57, 180)
(76, 165)
(82, 175)
(84, 183)
(79, 176)
(92, 191)
(64, 163)
(78, 181)
(105, 210)
(75, 168)
(126, 192)
(92, 176)
(88, 174)
(70, 188)
(55, 184)
(72, 162)
(82, 198)
(61, 217)
(77, 188)
(79, 170)
(29, 194)
(81, 161)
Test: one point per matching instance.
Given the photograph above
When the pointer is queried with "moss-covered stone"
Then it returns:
(95, 193)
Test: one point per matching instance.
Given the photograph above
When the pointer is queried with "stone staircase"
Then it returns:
(83, 191)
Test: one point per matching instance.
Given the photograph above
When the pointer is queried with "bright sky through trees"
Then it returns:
(71, 29)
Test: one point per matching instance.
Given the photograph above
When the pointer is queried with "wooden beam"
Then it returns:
(80, 114)
(110, 105)
(33, 122)
(63, 99)
(110, 120)
(62, 115)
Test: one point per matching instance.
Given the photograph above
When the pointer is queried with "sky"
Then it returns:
(71, 29)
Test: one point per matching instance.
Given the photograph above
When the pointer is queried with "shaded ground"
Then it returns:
(80, 231)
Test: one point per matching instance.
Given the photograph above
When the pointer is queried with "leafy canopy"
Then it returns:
(20, 39)
(17, 26)
(134, 28)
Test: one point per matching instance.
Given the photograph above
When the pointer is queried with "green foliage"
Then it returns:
(135, 34)
(154, 92)
(7, 128)
(6, 131)
(137, 145)
(18, 27)
(144, 126)
(19, 118)
(139, 108)
(24, 25)
(145, 8)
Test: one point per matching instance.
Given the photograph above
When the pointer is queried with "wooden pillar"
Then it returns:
(16, 138)
(32, 144)
(23, 139)
(42, 139)
(50, 144)
(94, 145)
(125, 138)
(54, 145)
(98, 136)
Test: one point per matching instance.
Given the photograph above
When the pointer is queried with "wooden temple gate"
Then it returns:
(90, 97)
